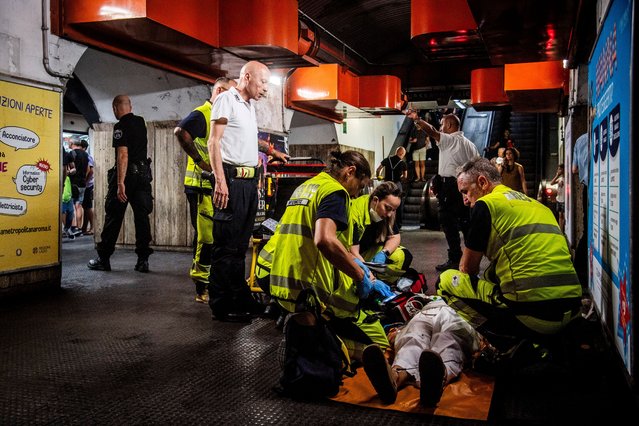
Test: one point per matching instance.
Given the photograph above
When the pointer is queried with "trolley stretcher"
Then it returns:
(281, 179)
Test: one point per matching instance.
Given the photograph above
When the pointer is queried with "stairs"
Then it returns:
(412, 203)
(414, 192)
(524, 129)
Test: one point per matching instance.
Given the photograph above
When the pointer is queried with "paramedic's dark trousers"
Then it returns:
(232, 228)
(453, 216)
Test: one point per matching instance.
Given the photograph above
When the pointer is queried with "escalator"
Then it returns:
(526, 130)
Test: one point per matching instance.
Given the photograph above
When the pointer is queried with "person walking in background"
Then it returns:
(418, 152)
(505, 141)
(581, 169)
(396, 171)
(79, 181)
(68, 210)
(498, 160)
(512, 173)
(454, 150)
(87, 203)
(233, 146)
(192, 134)
(559, 181)
(129, 182)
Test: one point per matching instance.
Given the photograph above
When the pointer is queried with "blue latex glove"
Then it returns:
(380, 258)
(366, 286)
(361, 265)
(382, 288)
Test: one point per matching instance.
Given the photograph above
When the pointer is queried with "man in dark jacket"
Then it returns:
(129, 182)
(395, 170)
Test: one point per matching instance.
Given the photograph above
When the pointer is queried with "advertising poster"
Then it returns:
(609, 228)
(280, 143)
(29, 177)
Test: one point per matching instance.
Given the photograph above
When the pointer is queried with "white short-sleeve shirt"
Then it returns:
(454, 151)
(239, 142)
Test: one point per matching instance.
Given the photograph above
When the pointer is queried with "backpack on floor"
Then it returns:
(314, 358)
(412, 281)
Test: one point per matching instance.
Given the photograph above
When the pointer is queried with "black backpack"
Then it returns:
(313, 358)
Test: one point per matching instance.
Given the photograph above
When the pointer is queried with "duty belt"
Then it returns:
(138, 167)
(240, 172)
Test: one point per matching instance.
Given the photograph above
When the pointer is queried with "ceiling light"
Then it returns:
(276, 80)
(460, 104)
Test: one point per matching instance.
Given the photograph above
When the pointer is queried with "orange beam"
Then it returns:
(200, 20)
(436, 16)
(487, 86)
(314, 83)
(186, 16)
(535, 76)
(259, 22)
(80, 11)
(347, 86)
(380, 91)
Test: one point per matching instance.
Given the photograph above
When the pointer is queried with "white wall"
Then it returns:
(376, 134)
(21, 52)
(156, 95)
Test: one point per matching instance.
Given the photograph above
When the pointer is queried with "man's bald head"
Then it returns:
(121, 106)
(254, 79)
(450, 123)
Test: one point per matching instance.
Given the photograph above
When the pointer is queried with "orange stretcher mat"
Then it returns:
(466, 398)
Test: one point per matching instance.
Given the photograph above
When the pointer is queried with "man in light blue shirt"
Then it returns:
(581, 166)
(581, 158)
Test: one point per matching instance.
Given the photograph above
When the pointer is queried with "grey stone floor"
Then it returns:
(122, 347)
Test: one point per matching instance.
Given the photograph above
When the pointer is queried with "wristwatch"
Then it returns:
(386, 252)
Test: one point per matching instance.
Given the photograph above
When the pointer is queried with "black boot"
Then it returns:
(142, 265)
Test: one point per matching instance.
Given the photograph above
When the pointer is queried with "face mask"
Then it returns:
(375, 218)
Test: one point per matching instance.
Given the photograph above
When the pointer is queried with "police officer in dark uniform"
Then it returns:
(129, 182)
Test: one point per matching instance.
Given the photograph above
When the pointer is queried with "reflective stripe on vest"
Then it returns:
(528, 251)
(193, 174)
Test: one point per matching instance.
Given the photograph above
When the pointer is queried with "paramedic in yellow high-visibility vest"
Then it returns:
(313, 238)
(530, 289)
(376, 235)
(193, 134)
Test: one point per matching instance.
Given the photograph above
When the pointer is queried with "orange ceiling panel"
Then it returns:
(328, 91)
(536, 86)
(487, 87)
(259, 22)
(314, 83)
(347, 86)
(195, 18)
(437, 16)
(380, 92)
(187, 17)
(534, 76)
(79, 11)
